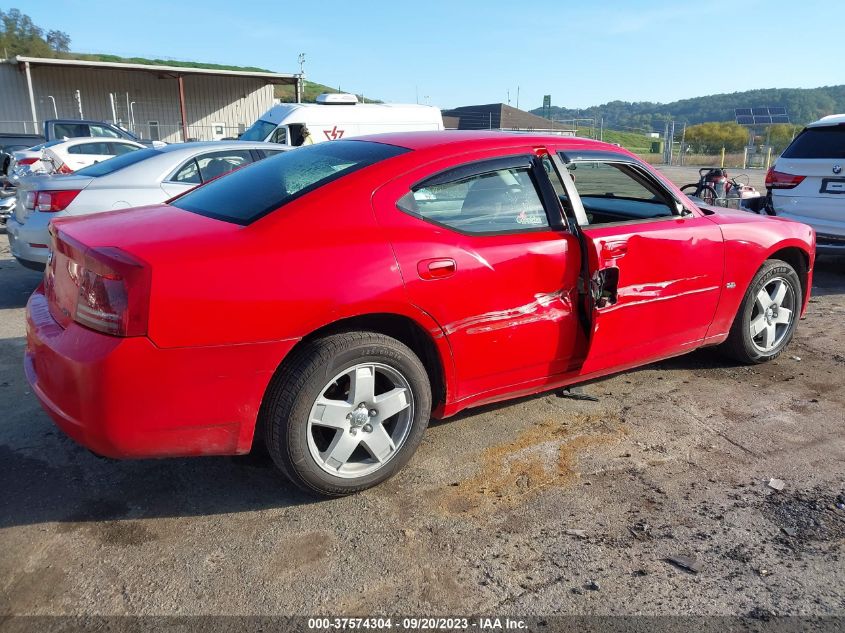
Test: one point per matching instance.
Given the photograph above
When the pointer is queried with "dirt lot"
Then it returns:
(540, 506)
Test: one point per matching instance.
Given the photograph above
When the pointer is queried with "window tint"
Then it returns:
(118, 149)
(99, 130)
(266, 153)
(70, 130)
(216, 164)
(188, 173)
(618, 192)
(100, 149)
(119, 162)
(489, 202)
(262, 187)
(279, 136)
(818, 142)
(258, 131)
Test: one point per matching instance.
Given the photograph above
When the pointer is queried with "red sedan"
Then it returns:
(331, 299)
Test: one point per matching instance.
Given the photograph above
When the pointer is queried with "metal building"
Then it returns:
(168, 103)
(499, 116)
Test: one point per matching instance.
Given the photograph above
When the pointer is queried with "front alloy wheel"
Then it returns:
(767, 317)
(772, 315)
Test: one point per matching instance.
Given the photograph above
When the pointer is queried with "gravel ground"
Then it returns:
(539, 506)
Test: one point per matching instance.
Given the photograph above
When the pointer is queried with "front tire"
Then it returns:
(346, 412)
(768, 315)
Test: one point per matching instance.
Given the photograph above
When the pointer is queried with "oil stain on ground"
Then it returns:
(545, 454)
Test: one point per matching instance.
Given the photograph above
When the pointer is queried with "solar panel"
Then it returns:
(761, 116)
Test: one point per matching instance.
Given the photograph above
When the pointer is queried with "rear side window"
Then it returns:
(494, 201)
(219, 163)
(99, 149)
(99, 130)
(71, 130)
(818, 142)
(256, 190)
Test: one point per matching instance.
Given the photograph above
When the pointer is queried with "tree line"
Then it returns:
(803, 105)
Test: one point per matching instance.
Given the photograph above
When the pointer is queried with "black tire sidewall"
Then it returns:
(348, 351)
(764, 275)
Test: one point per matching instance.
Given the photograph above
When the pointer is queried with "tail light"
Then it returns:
(781, 180)
(27, 161)
(52, 201)
(104, 289)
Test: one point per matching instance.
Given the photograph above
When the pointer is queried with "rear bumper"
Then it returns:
(127, 398)
(22, 237)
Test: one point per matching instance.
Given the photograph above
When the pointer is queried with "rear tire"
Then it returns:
(768, 315)
(705, 193)
(346, 412)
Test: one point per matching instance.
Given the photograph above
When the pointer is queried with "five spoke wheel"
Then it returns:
(360, 420)
(774, 310)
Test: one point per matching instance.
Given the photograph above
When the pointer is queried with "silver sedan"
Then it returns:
(139, 178)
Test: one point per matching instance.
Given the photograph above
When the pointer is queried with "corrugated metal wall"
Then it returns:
(216, 106)
(15, 113)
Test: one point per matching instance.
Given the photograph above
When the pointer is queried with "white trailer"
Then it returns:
(337, 116)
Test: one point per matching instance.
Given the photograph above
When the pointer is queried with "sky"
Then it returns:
(465, 52)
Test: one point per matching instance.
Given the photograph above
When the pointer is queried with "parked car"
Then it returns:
(332, 298)
(9, 143)
(7, 206)
(59, 130)
(807, 182)
(65, 157)
(143, 177)
(76, 128)
(336, 116)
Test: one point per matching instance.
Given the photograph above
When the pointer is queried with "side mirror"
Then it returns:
(681, 210)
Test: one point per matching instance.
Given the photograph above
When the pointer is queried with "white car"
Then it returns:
(148, 176)
(807, 182)
(66, 156)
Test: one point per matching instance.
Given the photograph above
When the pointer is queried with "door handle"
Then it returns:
(438, 268)
(614, 249)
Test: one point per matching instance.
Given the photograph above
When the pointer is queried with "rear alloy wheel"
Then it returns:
(768, 315)
(346, 412)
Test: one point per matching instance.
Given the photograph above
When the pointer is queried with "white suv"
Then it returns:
(807, 183)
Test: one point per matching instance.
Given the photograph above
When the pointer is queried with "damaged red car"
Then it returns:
(329, 301)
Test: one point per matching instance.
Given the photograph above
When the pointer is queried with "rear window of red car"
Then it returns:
(249, 193)
(818, 142)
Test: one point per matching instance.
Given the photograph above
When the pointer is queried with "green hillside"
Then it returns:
(804, 105)
(637, 143)
(310, 92)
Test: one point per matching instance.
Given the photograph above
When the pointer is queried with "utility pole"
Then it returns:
(300, 82)
(517, 97)
(601, 128)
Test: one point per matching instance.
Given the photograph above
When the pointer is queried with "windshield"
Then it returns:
(818, 142)
(258, 131)
(247, 194)
(111, 165)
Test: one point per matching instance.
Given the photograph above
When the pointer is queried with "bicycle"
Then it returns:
(710, 183)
